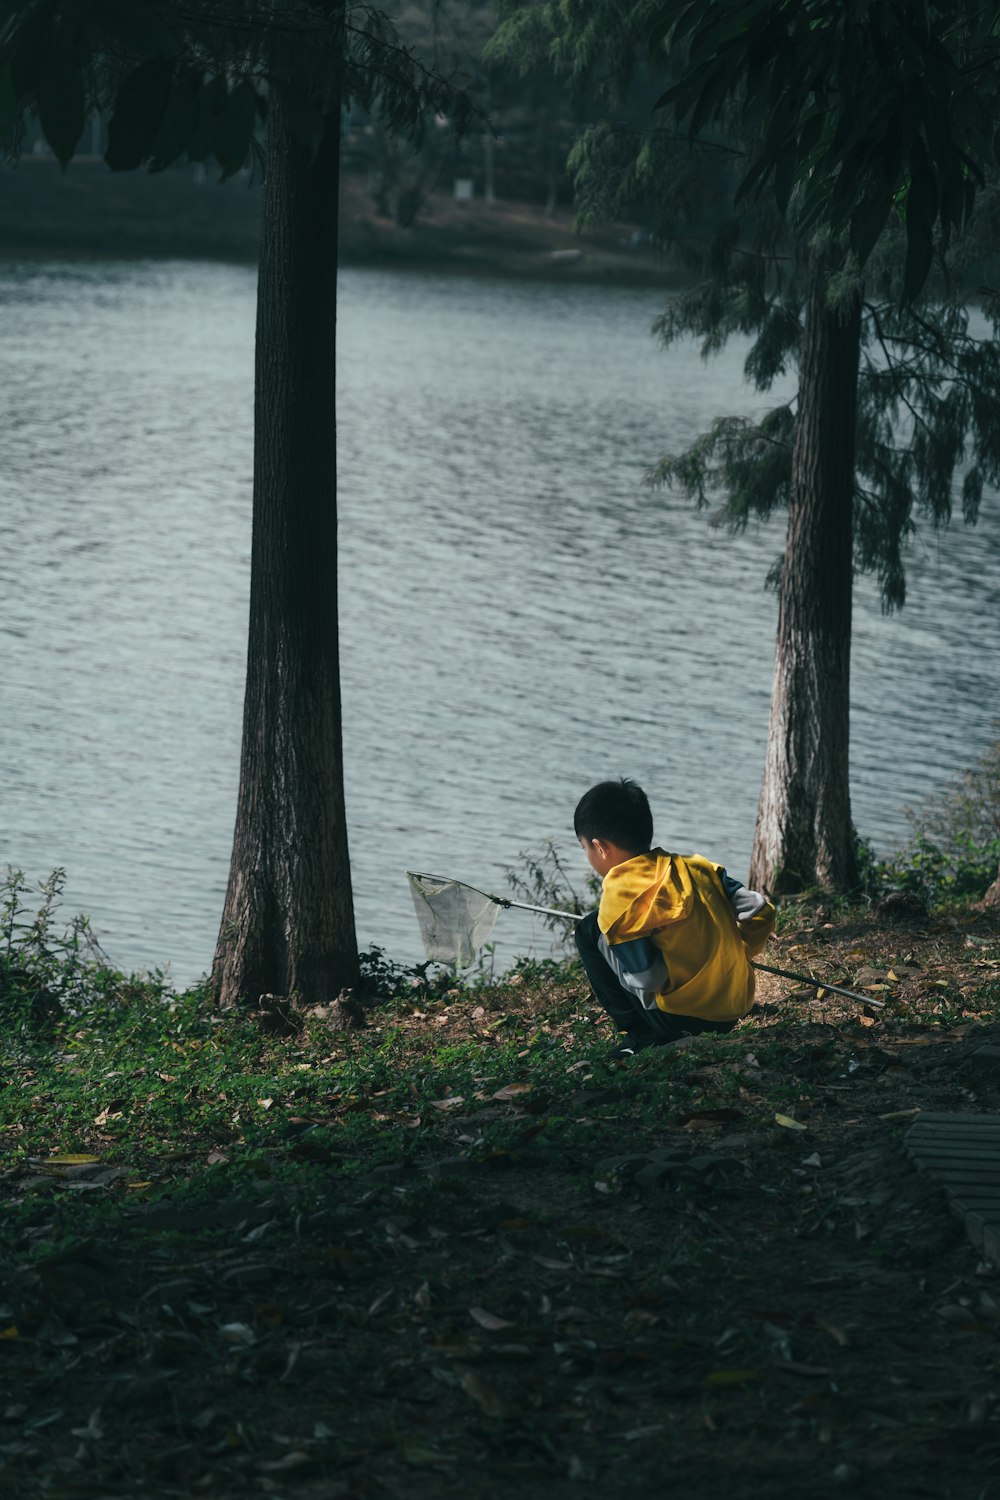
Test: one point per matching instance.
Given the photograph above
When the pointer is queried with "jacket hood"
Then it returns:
(644, 894)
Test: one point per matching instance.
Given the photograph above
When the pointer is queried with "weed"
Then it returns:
(955, 848)
(45, 969)
(543, 880)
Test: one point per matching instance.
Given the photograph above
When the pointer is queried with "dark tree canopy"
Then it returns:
(862, 111)
(928, 390)
(189, 79)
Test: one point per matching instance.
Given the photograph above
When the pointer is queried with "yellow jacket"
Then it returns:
(678, 932)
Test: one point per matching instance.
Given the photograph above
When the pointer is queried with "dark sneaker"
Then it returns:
(628, 1047)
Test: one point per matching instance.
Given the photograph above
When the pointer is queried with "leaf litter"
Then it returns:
(467, 1298)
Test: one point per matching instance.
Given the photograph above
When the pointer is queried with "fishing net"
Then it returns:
(455, 920)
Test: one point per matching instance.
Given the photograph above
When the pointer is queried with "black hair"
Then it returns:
(617, 811)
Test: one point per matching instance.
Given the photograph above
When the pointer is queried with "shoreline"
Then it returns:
(89, 213)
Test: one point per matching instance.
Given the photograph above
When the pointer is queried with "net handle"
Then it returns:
(820, 984)
(505, 901)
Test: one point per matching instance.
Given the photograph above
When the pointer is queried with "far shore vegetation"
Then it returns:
(89, 213)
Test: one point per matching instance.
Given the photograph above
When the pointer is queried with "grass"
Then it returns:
(460, 1253)
(160, 1083)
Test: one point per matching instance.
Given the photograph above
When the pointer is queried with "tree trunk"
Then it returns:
(804, 835)
(288, 923)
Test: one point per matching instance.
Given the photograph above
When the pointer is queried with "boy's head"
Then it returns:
(613, 822)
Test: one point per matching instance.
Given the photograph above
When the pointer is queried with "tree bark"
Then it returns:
(288, 922)
(804, 835)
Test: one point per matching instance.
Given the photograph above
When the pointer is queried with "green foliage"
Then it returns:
(48, 968)
(131, 1065)
(744, 91)
(198, 82)
(382, 978)
(861, 114)
(60, 88)
(961, 866)
(928, 414)
(548, 970)
(541, 879)
(750, 461)
(955, 848)
(142, 102)
(927, 403)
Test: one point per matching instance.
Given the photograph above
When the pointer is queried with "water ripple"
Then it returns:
(520, 616)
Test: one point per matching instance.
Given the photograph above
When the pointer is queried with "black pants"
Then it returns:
(626, 1010)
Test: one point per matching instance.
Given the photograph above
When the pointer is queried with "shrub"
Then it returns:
(955, 848)
(47, 967)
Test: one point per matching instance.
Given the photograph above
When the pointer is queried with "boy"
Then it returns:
(667, 952)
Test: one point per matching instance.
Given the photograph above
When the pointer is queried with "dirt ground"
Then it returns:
(727, 1276)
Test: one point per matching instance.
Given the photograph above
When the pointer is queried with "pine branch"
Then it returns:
(889, 361)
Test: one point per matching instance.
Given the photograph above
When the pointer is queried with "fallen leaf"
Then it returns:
(72, 1159)
(451, 1103)
(296, 1459)
(420, 1457)
(485, 1395)
(54, 1331)
(989, 1307)
(837, 1334)
(93, 1429)
(489, 1320)
(265, 1103)
(259, 1231)
(238, 1333)
(700, 1117)
(511, 1090)
(960, 1317)
(789, 1123)
(731, 1377)
(572, 1315)
(10, 1333)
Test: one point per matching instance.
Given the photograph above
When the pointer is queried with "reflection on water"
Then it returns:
(520, 616)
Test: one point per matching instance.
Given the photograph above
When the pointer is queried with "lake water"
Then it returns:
(521, 617)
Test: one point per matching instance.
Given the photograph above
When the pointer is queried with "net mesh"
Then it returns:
(455, 920)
